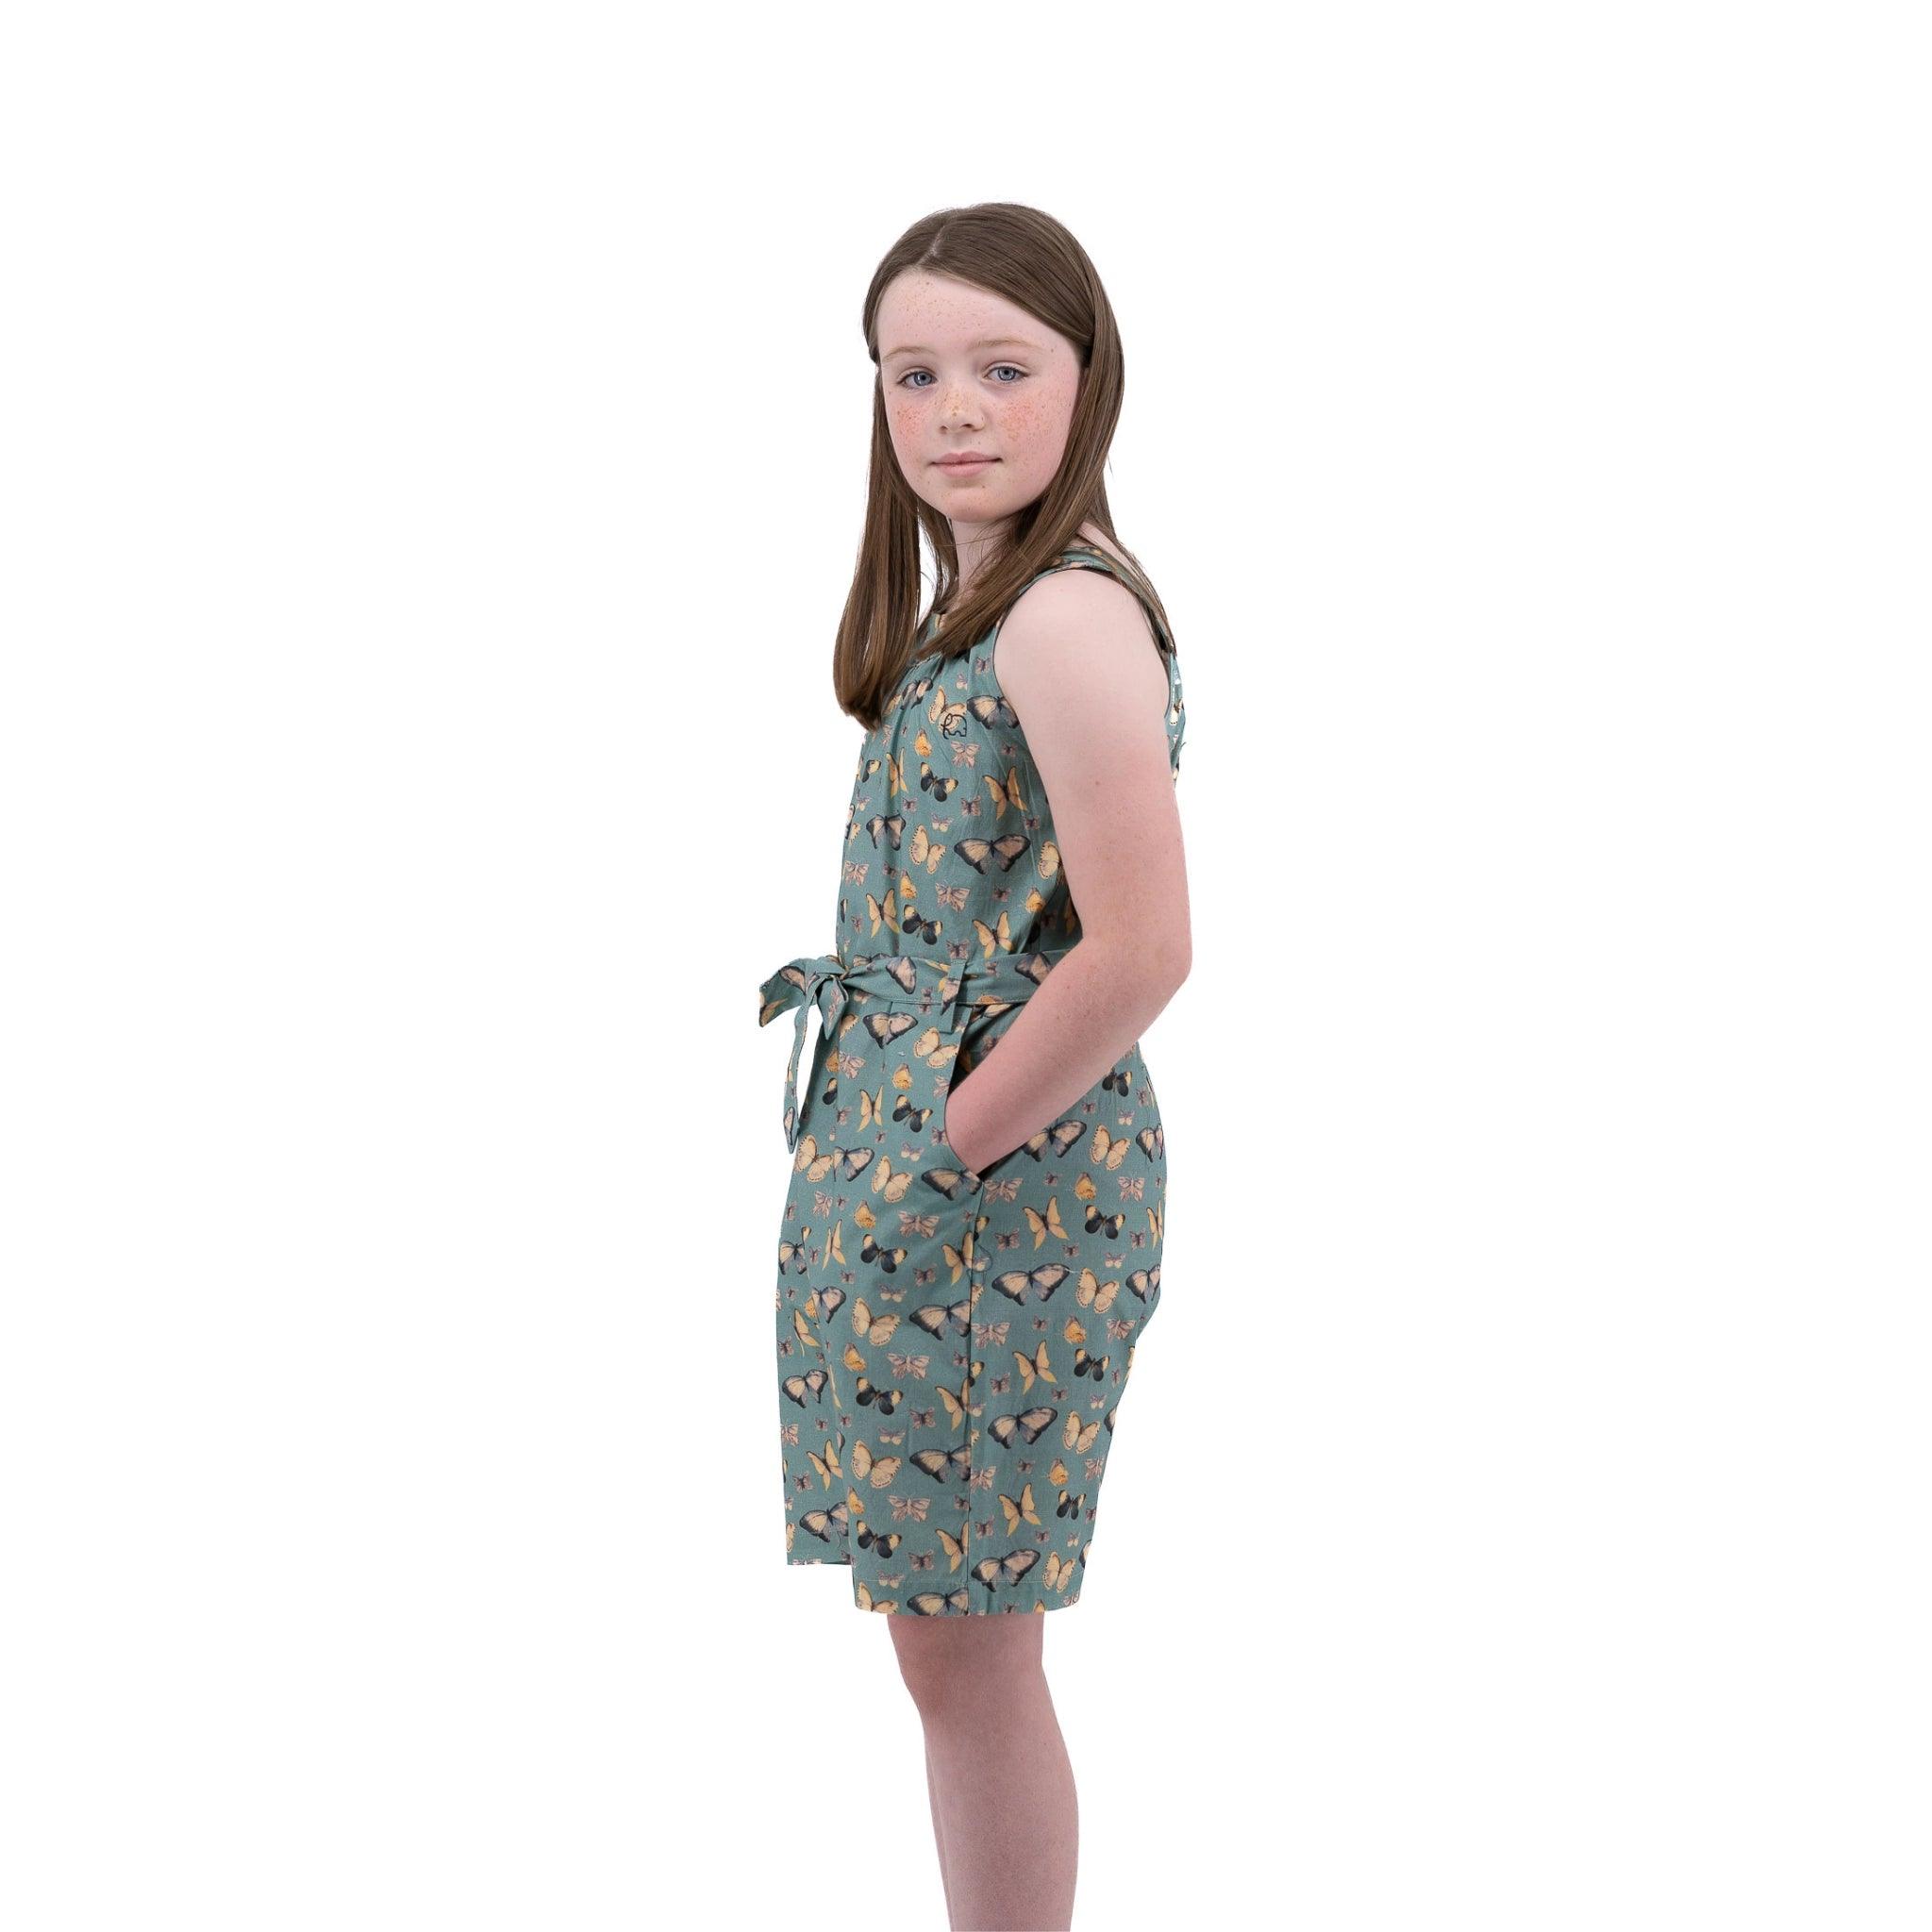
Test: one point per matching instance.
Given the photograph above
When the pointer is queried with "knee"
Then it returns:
(933, 1675)
(948, 1678)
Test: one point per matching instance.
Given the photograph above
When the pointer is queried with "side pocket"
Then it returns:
(942, 1154)
(984, 1032)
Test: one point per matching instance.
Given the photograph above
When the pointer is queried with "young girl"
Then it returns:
(972, 1241)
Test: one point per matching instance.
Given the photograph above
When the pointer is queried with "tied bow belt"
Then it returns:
(951, 988)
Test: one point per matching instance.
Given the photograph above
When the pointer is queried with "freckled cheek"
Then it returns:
(1026, 428)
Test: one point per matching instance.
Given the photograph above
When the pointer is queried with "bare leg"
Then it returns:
(938, 1831)
(1006, 1812)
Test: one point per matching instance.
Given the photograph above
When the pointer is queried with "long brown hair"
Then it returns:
(1032, 260)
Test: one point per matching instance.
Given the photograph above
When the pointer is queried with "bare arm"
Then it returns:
(1079, 666)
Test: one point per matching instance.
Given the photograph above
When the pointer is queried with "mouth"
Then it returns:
(964, 463)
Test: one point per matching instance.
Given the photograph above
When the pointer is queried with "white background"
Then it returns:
(417, 742)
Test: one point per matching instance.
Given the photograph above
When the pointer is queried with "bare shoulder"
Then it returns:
(1080, 633)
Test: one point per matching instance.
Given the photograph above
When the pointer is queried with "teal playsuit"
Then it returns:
(951, 1344)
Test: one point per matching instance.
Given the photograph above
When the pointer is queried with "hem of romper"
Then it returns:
(1035, 1605)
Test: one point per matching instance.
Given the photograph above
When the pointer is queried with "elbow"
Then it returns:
(1169, 962)
(1159, 963)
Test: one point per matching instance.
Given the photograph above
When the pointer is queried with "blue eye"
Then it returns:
(918, 387)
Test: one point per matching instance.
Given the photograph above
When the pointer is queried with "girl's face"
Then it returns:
(967, 372)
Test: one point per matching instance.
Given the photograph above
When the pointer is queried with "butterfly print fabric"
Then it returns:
(952, 1345)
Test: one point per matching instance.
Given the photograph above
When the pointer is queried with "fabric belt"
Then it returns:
(895, 980)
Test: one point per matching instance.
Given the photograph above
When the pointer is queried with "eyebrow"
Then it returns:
(991, 342)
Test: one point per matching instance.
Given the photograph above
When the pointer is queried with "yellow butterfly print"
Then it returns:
(893, 1186)
(1059, 1571)
(810, 1162)
(1105, 1148)
(1048, 1224)
(877, 1470)
(866, 1601)
(1033, 1368)
(1092, 1293)
(931, 1047)
(994, 939)
(926, 851)
(826, 1465)
(875, 1329)
(1078, 1435)
(872, 1112)
(1022, 1512)
(1049, 859)
(1004, 795)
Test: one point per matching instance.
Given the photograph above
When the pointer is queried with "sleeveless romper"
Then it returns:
(951, 1345)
